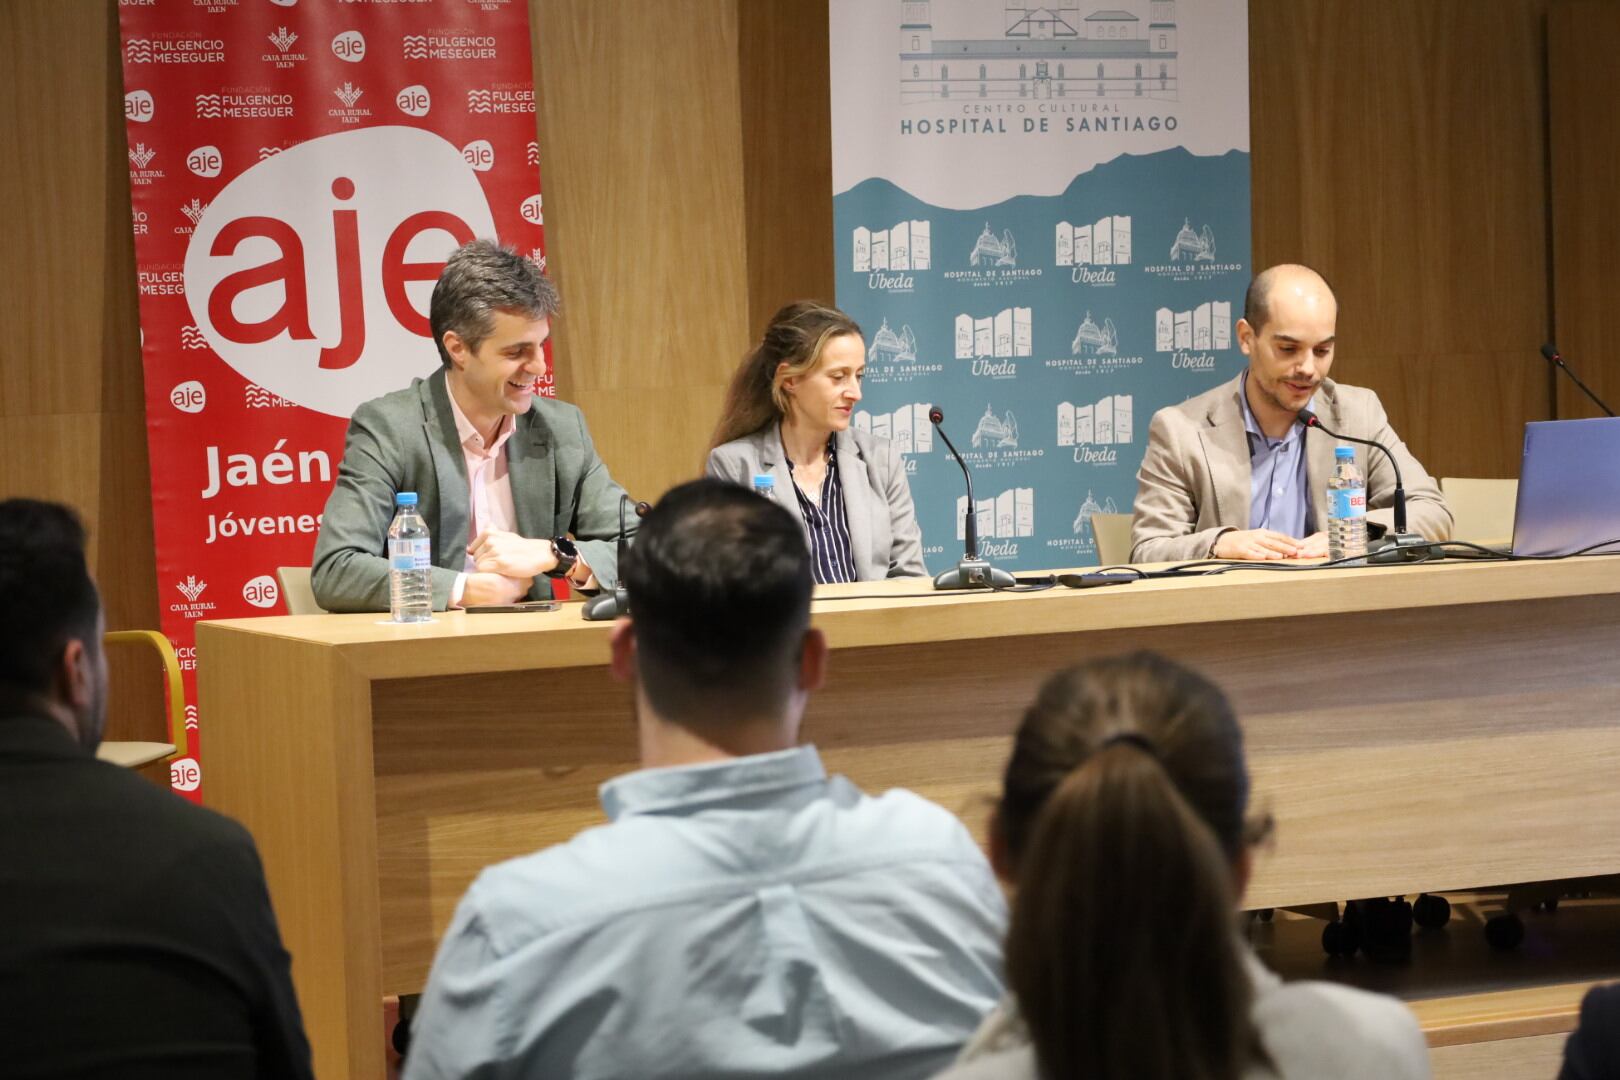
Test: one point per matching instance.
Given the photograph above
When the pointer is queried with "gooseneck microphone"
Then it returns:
(973, 571)
(1550, 351)
(1398, 545)
(614, 602)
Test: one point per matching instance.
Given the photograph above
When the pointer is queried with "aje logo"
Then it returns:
(189, 397)
(261, 591)
(139, 106)
(349, 45)
(481, 156)
(414, 100)
(311, 272)
(185, 774)
(205, 161)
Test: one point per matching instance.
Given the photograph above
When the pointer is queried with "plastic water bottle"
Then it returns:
(765, 484)
(1347, 507)
(410, 563)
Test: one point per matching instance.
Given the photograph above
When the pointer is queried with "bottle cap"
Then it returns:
(405, 498)
(765, 480)
(1344, 453)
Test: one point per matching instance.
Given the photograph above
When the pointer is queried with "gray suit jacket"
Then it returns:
(1194, 481)
(883, 530)
(407, 441)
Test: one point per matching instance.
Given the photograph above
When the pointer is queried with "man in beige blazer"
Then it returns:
(1231, 474)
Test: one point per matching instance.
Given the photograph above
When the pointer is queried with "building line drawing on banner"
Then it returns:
(1108, 421)
(906, 245)
(1106, 242)
(1082, 520)
(996, 432)
(888, 346)
(1094, 340)
(1043, 53)
(1009, 332)
(992, 250)
(1193, 246)
(1207, 326)
(1004, 517)
(907, 427)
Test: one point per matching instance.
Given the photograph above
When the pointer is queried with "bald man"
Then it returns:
(1231, 474)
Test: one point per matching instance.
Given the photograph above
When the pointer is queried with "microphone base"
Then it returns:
(607, 605)
(974, 574)
(1403, 547)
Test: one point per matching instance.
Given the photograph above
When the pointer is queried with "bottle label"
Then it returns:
(412, 554)
(1347, 503)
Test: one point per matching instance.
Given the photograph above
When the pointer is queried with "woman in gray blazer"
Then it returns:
(788, 413)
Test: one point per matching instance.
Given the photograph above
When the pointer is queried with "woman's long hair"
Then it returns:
(1123, 809)
(797, 336)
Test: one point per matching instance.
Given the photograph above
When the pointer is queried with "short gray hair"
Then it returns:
(479, 279)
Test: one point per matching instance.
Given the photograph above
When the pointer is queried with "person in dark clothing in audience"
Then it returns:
(138, 938)
(1593, 1049)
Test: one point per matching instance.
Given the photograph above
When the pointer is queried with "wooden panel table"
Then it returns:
(1411, 728)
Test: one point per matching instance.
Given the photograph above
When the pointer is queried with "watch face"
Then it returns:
(565, 547)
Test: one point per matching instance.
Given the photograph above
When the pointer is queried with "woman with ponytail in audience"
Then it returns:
(1124, 822)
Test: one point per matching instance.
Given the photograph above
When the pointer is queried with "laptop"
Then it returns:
(1569, 487)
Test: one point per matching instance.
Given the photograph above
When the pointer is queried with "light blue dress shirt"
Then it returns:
(743, 918)
(1279, 489)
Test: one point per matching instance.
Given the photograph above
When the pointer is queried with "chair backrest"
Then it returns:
(1113, 535)
(296, 592)
(1481, 509)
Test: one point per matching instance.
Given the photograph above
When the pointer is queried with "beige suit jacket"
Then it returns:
(1194, 482)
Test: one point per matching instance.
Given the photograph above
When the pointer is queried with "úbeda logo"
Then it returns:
(1094, 429)
(1008, 333)
(262, 591)
(191, 588)
(189, 397)
(349, 46)
(480, 154)
(139, 106)
(907, 427)
(205, 161)
(311, 273)
(1008, 515)
(414, 100)
(1190, 334)
(1091, 251)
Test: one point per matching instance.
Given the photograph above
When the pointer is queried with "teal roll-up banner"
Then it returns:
(1042, 220)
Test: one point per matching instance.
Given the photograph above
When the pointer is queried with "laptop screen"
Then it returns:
(1569, 487)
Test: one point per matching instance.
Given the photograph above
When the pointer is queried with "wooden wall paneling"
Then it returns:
(1398, 148)
(641, 163)
(1583, 87)
(72, 413)
(787, 153)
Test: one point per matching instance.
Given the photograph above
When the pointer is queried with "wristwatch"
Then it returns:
(567, 556)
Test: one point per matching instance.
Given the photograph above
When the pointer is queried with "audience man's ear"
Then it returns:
(1000, 859)
(622, 650)
(813, 660)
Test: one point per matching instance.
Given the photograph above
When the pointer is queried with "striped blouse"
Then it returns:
(832, 556)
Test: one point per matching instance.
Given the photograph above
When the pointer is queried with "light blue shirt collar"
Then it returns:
(676, 788)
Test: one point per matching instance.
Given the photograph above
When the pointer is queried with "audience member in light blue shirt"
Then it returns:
(744, 914)
(1279, 489)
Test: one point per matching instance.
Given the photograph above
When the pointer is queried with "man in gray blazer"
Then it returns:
(1230, 474)
(507, 481)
